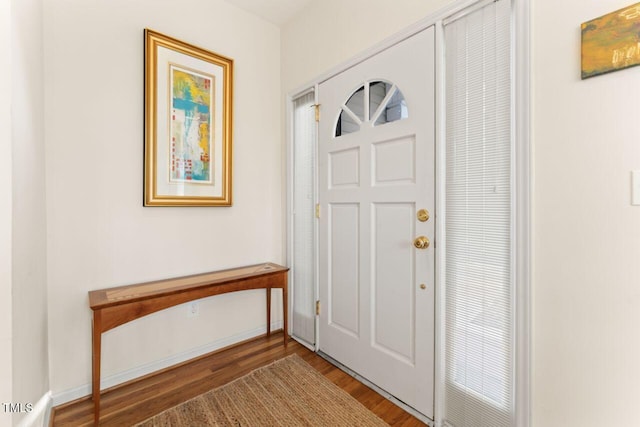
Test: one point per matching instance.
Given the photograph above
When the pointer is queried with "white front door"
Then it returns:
(376, 174)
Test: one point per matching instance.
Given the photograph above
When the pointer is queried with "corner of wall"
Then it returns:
(30, 363)
(6, 220)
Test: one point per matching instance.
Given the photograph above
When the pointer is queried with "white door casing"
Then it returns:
(375, 316)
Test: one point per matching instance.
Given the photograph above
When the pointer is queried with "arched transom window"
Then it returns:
(374, 103)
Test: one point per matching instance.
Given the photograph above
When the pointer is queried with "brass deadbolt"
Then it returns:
(423, 215)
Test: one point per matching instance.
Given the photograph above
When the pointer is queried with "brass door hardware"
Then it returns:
(421, 242)
(423, 215)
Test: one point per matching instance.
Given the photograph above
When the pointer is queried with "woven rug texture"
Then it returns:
(288, 392)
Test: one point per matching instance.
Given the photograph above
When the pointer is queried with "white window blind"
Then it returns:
(479, 284)
(304, 137)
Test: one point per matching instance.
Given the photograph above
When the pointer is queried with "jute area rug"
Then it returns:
(288, 392)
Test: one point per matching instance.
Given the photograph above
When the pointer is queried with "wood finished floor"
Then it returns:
(135, 401)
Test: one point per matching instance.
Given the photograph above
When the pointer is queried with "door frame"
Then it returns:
(521, 117)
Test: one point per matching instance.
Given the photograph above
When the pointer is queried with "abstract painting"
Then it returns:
(188, 117)
(191, 140)
(611, 42)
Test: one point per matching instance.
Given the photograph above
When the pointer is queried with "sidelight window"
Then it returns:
(479, 274)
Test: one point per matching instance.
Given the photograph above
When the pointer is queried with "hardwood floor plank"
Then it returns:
(137, 400)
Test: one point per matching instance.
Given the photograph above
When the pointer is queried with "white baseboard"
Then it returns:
(39, 416)
(119, 378)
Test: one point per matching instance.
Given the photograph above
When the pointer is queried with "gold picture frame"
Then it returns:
(188, 124)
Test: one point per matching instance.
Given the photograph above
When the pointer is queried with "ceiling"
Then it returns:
(275, 11)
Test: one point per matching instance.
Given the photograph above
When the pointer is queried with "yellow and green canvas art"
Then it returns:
(611, 42)
(191, 138)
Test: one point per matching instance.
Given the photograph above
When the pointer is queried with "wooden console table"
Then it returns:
(113, 307)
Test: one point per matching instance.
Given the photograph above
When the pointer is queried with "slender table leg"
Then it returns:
(268, 312)
(97, 350)
(285, 311)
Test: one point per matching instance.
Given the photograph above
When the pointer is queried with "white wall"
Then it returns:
(6, 343)
(99, 233)
(30, 351)
(329, 32)
(586, 284)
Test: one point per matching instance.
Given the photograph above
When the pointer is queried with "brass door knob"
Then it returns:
(421, 242)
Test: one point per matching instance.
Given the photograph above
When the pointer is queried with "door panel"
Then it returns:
(394, 162)
(344, 166)
(344, 289)
(375, 171)
(393, 280)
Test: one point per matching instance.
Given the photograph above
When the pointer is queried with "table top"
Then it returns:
(102, 298)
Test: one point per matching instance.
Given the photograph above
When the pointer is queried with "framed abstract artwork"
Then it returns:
(611, 42)
(188, 124)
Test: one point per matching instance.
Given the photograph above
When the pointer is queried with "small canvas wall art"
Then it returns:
(611, 42)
